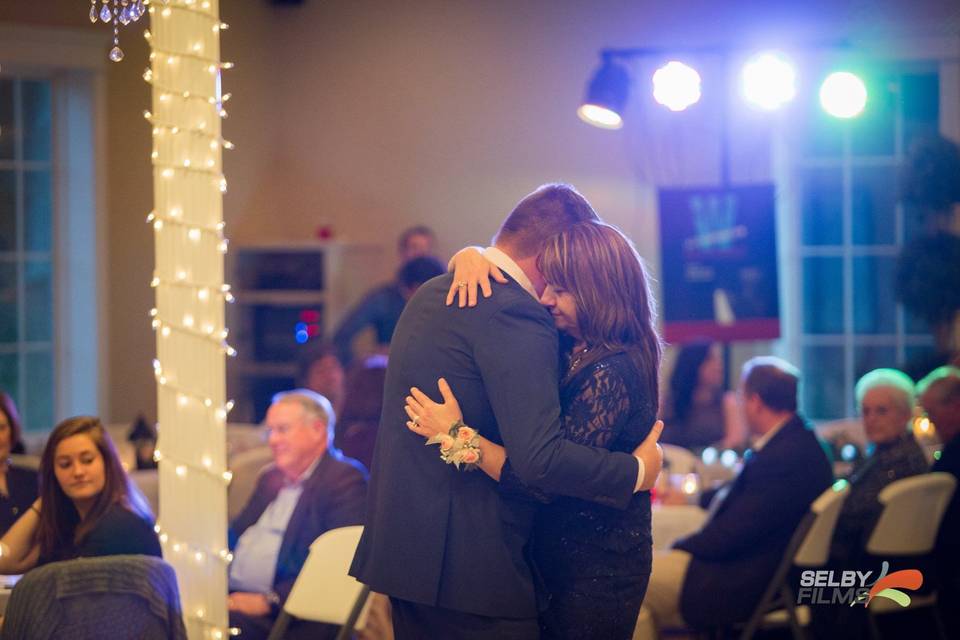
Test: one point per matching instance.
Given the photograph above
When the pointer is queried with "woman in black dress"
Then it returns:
(594, 560)
(87, 507)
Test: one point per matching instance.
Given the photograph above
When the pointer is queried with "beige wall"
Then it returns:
(372, 117)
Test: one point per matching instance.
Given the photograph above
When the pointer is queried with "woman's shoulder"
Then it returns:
(120, 530)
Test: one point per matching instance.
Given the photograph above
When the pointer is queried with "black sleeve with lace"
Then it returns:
(594, 416)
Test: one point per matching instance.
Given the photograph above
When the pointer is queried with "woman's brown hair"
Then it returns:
(9, 409)
(61, 530)
(600, 267)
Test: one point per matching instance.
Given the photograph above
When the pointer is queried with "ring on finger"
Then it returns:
(416, 421)
(461, 284)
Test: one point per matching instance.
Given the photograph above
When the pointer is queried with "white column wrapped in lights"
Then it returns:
(190, 293)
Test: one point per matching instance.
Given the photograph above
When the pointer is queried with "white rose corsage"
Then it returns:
(460, 446)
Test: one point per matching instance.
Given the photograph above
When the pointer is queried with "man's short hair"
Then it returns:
(544, 213)
(415, 272)
(945, 381)
(893, 379)
(774, 380)
(314, 405)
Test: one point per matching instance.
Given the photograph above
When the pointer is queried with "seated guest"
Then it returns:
(322, 371)
(18, 486)
(87, 507)
(357, 426)
(381, 308)
(310, 488)
(886, 400)
(940, 397)
(717, 575)
(698, 411)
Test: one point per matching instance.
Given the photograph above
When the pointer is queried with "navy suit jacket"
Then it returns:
(333, 497)
(738, 549)
(447, 538)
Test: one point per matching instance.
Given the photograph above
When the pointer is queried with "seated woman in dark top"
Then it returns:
(698, 412)
(87, 506)
(594, 560)
(886, 400)
(18, 485)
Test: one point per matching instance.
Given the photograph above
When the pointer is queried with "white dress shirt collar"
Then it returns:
(506, 263)
(768, 436)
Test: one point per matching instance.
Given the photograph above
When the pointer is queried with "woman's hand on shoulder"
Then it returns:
(470, 270)
(429, 418)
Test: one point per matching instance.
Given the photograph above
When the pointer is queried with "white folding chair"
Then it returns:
(809, 548)
(912, 511)
(324, 591)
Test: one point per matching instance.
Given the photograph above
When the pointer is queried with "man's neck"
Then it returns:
(293, 476)
(527, 265)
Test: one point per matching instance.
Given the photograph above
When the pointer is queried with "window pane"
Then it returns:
(874, 205)
(8, 211)
(915, 325)
(39, 300)
(36, 119)
(38, 210)
(824, 395)
(822, 295)
(822, 206)
(874, 304)
(873, 133)
(869, 357)
(6, 119)
(824, 138)
(8, 302)
(921, 106)
(8, 374)
(38, 409)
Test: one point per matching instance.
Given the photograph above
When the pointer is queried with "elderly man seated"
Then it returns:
(310, 488)
(940, 397)
(717, 575)
(886, 400)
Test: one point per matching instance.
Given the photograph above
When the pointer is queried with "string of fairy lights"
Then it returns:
(188, 318)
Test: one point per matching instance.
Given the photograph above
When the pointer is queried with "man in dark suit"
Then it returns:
(442, 542)
(939, 394)
(717, 575)
(309, 489)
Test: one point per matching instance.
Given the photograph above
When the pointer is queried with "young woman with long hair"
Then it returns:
(595, 560)
(87, 505)
(18, 485)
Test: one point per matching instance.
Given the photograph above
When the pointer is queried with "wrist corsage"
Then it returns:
(460, 446)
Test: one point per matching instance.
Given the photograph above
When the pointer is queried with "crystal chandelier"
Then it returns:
(117, 12)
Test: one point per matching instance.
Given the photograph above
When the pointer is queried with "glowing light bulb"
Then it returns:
(843, 95)
(181, 471)
(203, 295)
(165, 331)
(187, 320)
(194, 235)
(676, 86)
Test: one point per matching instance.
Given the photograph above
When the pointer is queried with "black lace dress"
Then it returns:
(595, 560)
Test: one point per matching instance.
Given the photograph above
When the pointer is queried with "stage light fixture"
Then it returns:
(676, 86)
(843, 95)
(769, 81)
(606, 96)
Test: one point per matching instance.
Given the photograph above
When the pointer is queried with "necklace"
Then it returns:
(576, 357)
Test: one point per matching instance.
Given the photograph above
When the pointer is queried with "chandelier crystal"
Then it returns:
(117, 12)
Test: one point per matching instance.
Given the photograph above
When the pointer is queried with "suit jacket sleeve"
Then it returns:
(345, 499)
(752, 511)
(517, 357)
(596, 418)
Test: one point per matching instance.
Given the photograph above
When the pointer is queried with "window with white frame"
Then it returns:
(52, 89)
(26, 247)
(851, 229)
